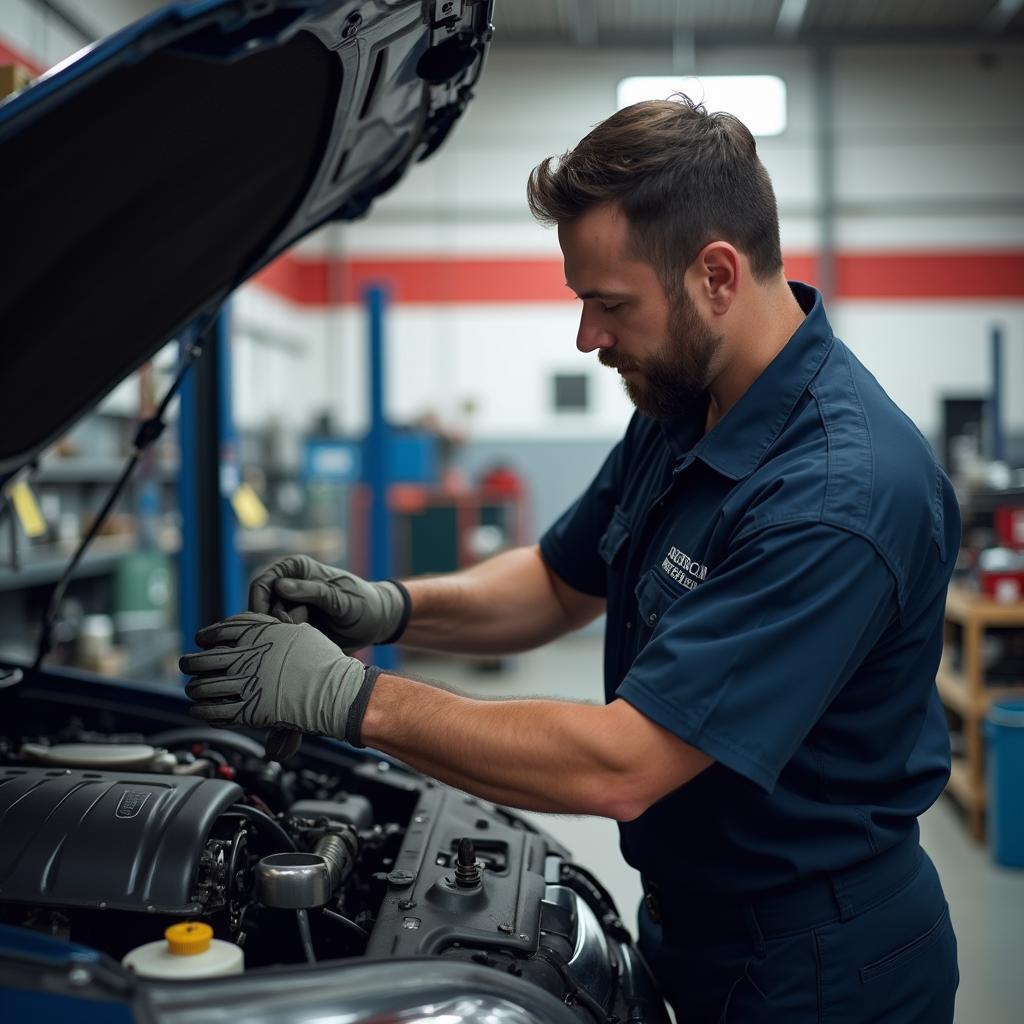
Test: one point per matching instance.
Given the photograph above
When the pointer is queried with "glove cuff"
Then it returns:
(357, 709)
(403, 620)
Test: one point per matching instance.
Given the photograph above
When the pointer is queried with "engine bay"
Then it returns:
(337, 855)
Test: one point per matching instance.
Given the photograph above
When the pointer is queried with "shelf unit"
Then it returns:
(432, 526)
(965, 692)
(45, 563)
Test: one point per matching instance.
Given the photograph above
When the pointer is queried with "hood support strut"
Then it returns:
(148, 432)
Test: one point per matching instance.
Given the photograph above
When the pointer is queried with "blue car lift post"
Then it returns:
(211, 573)
(210, 570)
(377, 461)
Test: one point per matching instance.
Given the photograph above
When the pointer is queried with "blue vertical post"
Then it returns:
(210, 572)
(233, 596)
(996, 401)
(376, 454)
(189, 615)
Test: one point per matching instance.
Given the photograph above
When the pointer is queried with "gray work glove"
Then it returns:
(257, 672)
(351, 611)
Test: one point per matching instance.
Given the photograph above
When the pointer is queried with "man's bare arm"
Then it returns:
(512, 602)
(540, 755)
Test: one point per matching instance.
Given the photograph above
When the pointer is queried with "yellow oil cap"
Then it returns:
(188, 938)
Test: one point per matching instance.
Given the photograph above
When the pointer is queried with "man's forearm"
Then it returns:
(532, 754)
(503, 605)
(540, 755)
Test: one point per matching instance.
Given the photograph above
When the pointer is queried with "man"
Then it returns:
(771, 541)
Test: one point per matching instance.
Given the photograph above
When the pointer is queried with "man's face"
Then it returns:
(661, 346)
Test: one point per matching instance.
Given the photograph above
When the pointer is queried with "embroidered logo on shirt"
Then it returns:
(680, 567)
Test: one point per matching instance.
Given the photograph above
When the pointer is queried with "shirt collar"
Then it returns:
(739, 441)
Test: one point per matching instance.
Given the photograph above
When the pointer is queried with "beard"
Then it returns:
(679, 373)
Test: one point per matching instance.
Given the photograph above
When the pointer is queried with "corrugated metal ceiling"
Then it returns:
(606, 23)
(655, 23)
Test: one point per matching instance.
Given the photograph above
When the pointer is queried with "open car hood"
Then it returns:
(147, 177)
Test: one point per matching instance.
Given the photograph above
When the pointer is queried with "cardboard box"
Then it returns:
(13, 78)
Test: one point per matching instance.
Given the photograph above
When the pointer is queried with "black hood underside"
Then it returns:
(114, 214)
(142, 182)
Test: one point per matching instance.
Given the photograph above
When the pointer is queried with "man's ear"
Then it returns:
(715, 276)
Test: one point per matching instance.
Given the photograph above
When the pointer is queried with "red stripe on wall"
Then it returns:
(427, 279)
(801, 267)
(464, 280)
(931, 275)
(11, 55)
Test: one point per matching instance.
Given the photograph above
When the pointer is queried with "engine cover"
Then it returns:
(80, 838)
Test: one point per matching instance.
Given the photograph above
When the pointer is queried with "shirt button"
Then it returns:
(629, 625)
(652, 618)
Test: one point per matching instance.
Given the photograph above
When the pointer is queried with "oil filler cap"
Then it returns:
(188, 938)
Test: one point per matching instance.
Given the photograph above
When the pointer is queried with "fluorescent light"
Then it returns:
(759, 101)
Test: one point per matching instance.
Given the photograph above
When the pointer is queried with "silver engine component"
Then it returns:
(297, 881)
(589, 961)
(293, 881)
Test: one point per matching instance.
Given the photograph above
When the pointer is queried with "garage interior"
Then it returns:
(427, 353)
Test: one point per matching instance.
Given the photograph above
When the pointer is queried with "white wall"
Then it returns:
(35, 33)
(930, 150)
(919, 352)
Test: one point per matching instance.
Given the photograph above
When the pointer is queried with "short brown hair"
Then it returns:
(682, 176)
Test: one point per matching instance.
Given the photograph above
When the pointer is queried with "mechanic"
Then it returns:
(771, 541)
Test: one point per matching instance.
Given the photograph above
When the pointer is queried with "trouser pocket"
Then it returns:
(903, 958)
(895, 962)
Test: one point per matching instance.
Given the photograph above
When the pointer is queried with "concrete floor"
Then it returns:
(986, 902)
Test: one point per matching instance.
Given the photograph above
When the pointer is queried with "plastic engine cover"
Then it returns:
(75, 837)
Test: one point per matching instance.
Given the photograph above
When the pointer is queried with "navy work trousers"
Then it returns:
(885, 952)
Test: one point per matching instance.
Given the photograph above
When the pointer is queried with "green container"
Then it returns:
(143, 591)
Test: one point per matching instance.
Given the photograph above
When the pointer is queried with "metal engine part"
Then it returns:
(299, 881)
(123, 757)
(80, 838)
(588, 957)
(293, 881)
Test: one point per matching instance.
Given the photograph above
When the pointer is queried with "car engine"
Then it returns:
(110, 837)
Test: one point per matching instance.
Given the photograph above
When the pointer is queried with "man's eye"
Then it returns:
(614, 306)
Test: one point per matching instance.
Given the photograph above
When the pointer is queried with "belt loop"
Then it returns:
(845, 907)
(756, 935)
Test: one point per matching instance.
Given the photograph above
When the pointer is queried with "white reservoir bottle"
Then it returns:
(189, 951)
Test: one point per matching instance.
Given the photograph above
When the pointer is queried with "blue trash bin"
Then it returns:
(1004, 731)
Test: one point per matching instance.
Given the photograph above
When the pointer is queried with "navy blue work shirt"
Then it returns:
(775, 592)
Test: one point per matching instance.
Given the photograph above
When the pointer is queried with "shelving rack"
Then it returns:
(965, 691)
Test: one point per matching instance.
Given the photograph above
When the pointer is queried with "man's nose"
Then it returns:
(592, 336)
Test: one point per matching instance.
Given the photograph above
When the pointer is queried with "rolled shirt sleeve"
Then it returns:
(743, 665)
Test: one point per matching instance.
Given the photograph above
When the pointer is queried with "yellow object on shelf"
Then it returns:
(188, 938)
(251, 512)
(27, 509)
